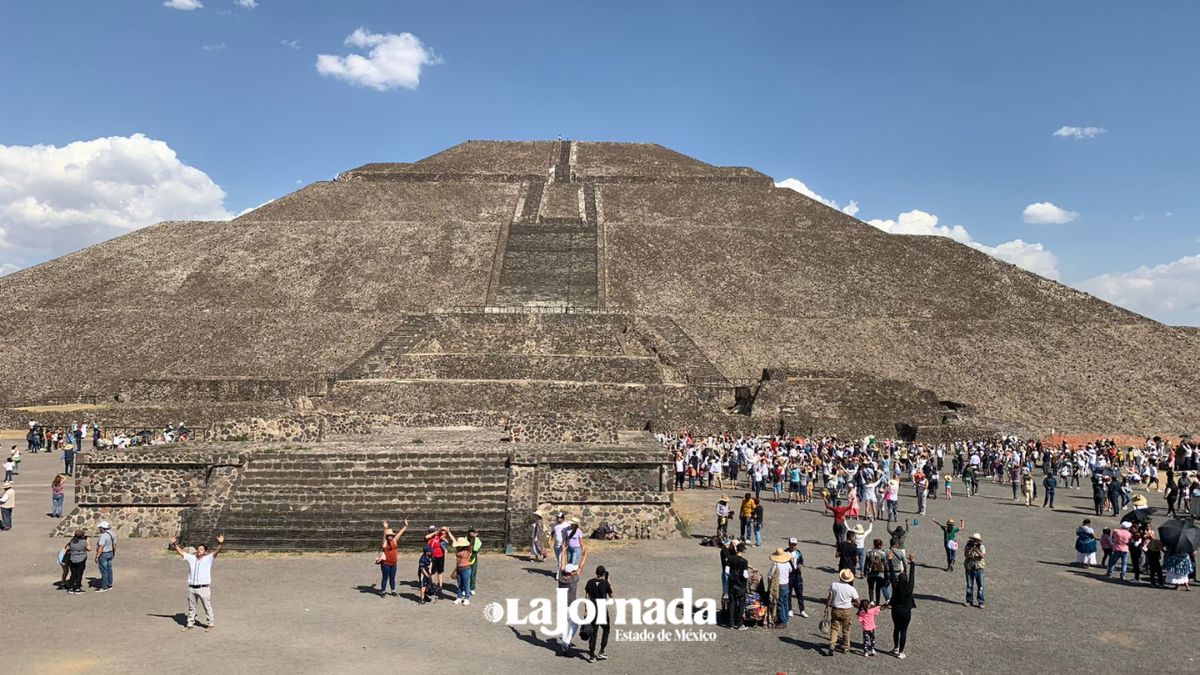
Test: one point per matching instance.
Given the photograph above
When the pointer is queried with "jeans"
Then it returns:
(878, 589)
(862, 561)
(1048, 499)
(891, 510)
(745, 528)
(106, 571)
(757, 527)
(464, 583)
(7, 475)
(797, 591)
(596, 628)
(68, 465)
(1123, 557)
(56, 504)
(76, 582)
(920, 501)
(784, 604)
(5, 519)
(474, 575)
(839, 533)
(757, 488)
(389, 577)
(975, 581)
(573, 554)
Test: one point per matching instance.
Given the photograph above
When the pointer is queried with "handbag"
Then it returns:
(379, 558)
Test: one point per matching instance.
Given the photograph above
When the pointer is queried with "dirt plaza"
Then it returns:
(1041, 612)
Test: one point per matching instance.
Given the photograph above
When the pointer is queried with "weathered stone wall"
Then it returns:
(140, 484)
(523, 367)
(128, 521)
(220, 389)
(561, 428)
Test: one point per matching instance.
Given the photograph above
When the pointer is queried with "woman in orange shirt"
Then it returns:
(388, 556)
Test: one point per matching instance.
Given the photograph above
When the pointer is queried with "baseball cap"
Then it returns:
(793, 540)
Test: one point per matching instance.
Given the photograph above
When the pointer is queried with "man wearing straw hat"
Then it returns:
(840, 606)
(974, 562)
(779, 583)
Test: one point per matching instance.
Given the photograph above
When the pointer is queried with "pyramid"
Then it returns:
(622, 281)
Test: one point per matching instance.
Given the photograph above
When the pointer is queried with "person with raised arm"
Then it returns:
(199, 580)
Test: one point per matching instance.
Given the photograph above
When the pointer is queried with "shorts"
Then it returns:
(438, 565)
(794, 486)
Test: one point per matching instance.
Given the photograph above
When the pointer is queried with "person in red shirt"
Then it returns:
(1120, 549)
(839, 520)
(436, 542)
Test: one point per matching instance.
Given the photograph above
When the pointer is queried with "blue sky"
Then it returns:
(947, 109)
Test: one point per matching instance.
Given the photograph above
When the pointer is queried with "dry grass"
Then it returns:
(66, 407)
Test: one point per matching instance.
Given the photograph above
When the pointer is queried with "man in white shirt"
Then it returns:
(559, 528)
(842, 599)
(199, 580)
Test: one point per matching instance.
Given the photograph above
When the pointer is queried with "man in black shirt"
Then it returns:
(598, 589)
(847, 553)
(739, 574)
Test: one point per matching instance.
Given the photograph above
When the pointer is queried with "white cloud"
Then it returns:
(1079, 133)
(1168, 214)
(393, 61)
(799, 186)
(290, 44)
(215, 47)
(58, 199)
(185, 5)
(8, 268)
(1045, 213)
(1169, 292)
(1030, 256)
(248, 4)
(1139, 217)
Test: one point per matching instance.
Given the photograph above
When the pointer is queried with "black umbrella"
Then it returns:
(1180, 535)
(1139, 515)
(1110, 472)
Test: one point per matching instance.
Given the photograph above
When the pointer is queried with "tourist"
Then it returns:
(839, 605)
(199, 580)
(950, 487)
(1098, 495)
(65, 565)
(1178, 568)
(756, 522)
(572, 542)
(1049, 485)
(1085, 544)
(16, 460)
(723, 514)
(425, 577)
(921, 485)
(839, 519)
(68, 457)
(1154, 562)
(796, 576)
(846, 554)
(867, 612)
(891, 498)
(902, 604)
(569, 580)
(437, 540)
(77, 554)
(8, 500)
(779, 588)
(9, 468)
(738, 573)
(877, 576)
(58, 488)
(560, 526)
(476, 545)
(106, 550)
(462, 571)
(974, 562)
(1119, 539)
(949, 543)
(860, 543)
(598, 589)
(680, 467)
(793, 473)
(537, 538)
(1105, 546)
(389, 554)
(1027, 487)
(746, 513)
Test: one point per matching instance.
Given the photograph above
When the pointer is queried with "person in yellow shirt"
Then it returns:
(747, 515)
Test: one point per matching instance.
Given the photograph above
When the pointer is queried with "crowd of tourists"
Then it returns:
(858, 482)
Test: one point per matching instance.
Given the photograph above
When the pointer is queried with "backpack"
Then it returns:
(875, 561)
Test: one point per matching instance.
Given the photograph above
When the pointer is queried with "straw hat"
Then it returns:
(949, 521)
(858, 529)
(977, 537)
(948, 478)
(724, 498)
(781, 556)
(461, 542)
(846, 575)
(1139, 501)
(574, 520)
(7, 484)
(893, 483)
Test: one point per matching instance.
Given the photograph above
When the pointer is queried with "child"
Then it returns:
(425, 576)
(867, 611)
(949, 486)
(1106, 546)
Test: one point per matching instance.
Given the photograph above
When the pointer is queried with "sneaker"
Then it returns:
(466, 602)
(791, 612)
(981, 605)
(803, 614)
(458, 601)
(209, 629)
(102, 590)
(901, 656)
(601, 656)
(591, 659)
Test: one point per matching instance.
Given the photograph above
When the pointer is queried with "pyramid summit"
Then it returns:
(624, 284)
